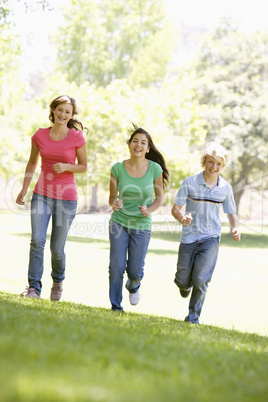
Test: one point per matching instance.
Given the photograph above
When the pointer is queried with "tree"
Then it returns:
(128, 42)
(14, 120)
(174, 122)
(9, 44)
(120, 39)
(9, 56)
(109, 105)
(231, 81)
(168, 113)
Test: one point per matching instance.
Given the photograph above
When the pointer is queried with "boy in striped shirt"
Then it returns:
(203, 195)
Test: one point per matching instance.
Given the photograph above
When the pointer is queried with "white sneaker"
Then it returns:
(134, 298)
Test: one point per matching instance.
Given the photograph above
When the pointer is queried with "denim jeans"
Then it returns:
(196, 263)
(62, 213)
(128, 248)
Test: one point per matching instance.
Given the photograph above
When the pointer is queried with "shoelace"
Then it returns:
(57, 287)
(27, 291)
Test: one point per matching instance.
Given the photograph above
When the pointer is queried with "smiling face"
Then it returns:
(139, 145)
(213, 167)
(63, 113)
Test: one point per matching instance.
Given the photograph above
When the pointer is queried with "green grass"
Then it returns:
(237, 297)
(249, 240)
(72, 352)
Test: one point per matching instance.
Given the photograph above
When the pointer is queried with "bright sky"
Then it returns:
(34, 28)
(251, 13)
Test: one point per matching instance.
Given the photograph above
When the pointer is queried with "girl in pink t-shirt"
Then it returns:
(62, 148)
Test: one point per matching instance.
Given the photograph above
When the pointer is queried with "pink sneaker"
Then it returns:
(56, 291)
(31, 293)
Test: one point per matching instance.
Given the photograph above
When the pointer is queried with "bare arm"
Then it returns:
(79, 167)
(159, 197)
(185, 220)
(29, 172)
(233, 220)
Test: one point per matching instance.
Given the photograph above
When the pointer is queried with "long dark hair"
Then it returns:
(72, 123)
(153, 154)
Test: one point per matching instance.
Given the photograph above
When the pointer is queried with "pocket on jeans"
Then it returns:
(215, 239)
(69, 207)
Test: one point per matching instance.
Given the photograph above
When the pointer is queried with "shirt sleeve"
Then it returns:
(228, 205)
(157, 171)
(35, 138)
(80, 141)
(182, 193)
(114, 171)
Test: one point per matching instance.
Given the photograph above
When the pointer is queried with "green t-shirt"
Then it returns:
(134, 191)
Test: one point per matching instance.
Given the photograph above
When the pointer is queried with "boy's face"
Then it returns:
(213, 166)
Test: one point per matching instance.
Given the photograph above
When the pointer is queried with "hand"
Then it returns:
(236, 234)
(19, 199)
(116, 205)
(186, 220)
(59, 167)
(144, 210)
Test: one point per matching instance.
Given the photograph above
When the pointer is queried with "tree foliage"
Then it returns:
(9, 44)
(119, 39)
(231, 82)
(113, 58)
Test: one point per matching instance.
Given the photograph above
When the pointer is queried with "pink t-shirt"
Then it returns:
(61, 186)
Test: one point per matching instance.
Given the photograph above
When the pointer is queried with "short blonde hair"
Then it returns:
(216, 151)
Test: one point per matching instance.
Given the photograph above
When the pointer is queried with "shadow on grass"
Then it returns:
(248, 240)
(77, 239)
(104, 242)
(162, 251)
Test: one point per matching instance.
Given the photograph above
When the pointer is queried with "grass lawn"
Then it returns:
(237, 296)
(79, 350)
(72, 352)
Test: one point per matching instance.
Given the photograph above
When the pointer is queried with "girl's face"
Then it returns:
(213, 166)
(139, 145)
(63, 113)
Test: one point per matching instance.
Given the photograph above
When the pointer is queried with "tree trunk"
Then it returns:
(237, 198)
(238, 190)
(240, 186)
(94, 199)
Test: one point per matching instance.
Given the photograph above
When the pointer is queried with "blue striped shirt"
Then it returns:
(204, 204)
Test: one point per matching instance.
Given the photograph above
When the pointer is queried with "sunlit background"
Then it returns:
(187, 71)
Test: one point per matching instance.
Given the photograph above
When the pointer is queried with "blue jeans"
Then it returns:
(128, 248)
(196, 263)
(62, 213)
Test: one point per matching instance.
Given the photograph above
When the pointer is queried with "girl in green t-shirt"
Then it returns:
(133, 184)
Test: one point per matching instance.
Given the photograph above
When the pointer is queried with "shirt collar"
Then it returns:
(201, 180)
